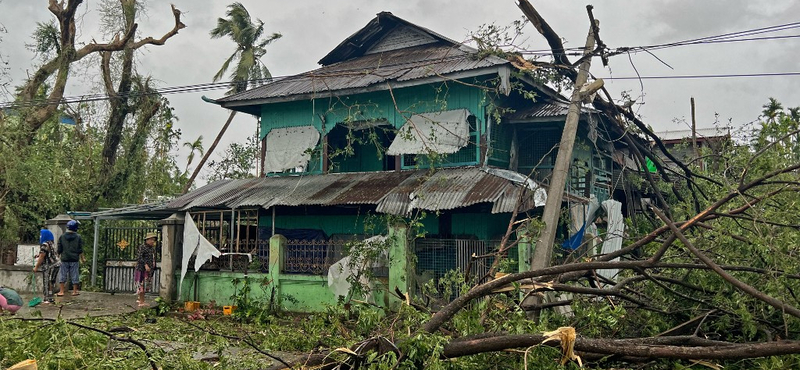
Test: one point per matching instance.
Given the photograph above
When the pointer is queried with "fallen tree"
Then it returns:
(709, 278)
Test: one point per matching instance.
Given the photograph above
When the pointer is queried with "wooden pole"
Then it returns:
(208, 152)
(694, 132)
(543, 252)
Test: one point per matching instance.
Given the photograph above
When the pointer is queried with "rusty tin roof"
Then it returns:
(395, 192)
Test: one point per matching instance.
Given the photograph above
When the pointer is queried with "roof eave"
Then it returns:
(382, 86)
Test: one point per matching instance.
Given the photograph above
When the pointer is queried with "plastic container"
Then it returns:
(228, 310)
(191, 306)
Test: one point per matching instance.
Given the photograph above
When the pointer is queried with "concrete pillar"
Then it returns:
(171, 248)
(58, 226)
(400, 266)
(277, 251)
(524, 250)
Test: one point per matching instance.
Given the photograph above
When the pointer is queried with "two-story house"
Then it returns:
(398, 123)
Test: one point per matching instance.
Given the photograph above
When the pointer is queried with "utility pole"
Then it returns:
(552, 208)
(694, 132)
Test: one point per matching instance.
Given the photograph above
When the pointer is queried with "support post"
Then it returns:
(94, 250)
(524, 249)
(400, 267)
(543, 252)
(277, 251)
(171, 228)
(695, 152)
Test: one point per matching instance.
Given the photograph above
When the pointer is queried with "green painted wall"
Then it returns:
(299, 293)
(487, 227)
(294, 292)
(376, 105)
(394, 106)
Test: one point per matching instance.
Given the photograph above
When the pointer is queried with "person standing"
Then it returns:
(9, 300)
(145, 265)
(48, 264)
(70, 249)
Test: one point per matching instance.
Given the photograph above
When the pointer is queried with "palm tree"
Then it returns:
(250, 70)
(195, 146)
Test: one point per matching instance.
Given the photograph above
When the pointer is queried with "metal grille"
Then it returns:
(435, 257)
(119, 278)
(121, 243)
(538, 144)
(117, 255)
(311, 257)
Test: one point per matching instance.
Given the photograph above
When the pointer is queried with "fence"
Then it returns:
(312, 257)
(117, 255)
(436, 257)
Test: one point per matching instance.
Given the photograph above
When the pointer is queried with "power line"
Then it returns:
(220, 85)
(727, 37)
(678, 77)
(738, 36)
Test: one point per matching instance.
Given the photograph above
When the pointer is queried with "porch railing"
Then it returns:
(312, 257)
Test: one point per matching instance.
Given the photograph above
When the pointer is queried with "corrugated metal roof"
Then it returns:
(368, 70)
(364, 39)
(391, 192)
(701, 133)
(545, 109)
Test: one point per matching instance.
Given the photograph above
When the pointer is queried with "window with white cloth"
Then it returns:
(289, 147)
(442, 132)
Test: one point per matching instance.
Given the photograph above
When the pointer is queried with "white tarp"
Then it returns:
(441, 132)
(340, 272)
(614, 234)
(194, 243)
(582, 215)
(288, 147)
(539, 194)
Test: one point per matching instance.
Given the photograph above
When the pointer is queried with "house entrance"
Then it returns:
(117, 256)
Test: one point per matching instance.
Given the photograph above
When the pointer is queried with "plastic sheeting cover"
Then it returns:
(194, 243)
(340, 272)
(288, 147)
(614, 234)
(441, 132)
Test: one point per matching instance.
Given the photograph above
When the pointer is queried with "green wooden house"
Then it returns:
(398, 124)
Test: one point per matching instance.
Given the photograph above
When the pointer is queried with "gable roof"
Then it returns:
(388, 50)
(384, 25)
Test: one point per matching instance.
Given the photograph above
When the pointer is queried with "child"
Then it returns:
(49, 264)
(9, 300)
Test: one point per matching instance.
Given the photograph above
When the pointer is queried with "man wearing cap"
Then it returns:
(70, 251)
(145, 264)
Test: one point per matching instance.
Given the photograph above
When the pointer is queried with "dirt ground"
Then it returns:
(85, 304)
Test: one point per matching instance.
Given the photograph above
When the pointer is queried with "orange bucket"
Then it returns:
(228, 310)
(191, 306)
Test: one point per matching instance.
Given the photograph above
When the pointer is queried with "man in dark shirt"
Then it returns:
(70, 248)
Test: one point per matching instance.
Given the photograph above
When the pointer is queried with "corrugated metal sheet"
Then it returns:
(395, 65)
(545, 109)
(391, 192)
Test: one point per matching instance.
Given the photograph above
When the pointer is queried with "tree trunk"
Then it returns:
(208, 152)
(544, 246)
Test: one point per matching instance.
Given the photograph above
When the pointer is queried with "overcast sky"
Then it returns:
(312, 28)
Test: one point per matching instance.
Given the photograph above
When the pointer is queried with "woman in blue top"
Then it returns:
(48, 263)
